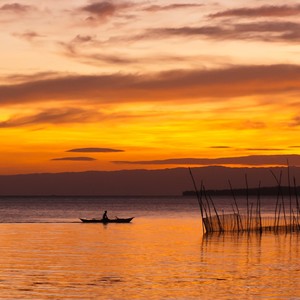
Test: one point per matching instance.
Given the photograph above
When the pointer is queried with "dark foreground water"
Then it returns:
(46, 253)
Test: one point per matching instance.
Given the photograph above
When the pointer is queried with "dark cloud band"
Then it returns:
(16, 8)
(261, 11)
(254, 160)
(74, 159)
(269, 31)
(95, 150)
(173, 85)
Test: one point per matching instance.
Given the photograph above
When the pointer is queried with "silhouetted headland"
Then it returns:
(160, 182)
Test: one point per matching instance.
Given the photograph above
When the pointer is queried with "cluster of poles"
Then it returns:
(286, 216)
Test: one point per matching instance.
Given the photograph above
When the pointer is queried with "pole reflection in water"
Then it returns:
(253, 265)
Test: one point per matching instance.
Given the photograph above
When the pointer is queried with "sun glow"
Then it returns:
(158, 80)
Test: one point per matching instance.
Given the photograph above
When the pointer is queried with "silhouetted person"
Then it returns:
(104, 217)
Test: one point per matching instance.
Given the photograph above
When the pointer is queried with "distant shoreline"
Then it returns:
(90, 196)
(263, 191)
(166, 182)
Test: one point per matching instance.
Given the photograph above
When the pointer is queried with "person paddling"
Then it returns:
(104, 217)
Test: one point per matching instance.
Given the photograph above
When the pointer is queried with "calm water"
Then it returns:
(47, 254)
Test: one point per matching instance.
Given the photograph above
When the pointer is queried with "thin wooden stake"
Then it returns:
(282, 198)
(198, 198)
(297, 199)
(259, 208)
(216, 212)
(250, 217)
(247, 198)
(290, 193)
(236, 205)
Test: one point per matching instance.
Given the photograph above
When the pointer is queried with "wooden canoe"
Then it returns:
(106, 221)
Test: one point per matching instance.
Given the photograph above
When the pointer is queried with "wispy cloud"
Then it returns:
(220, 147)
(16, 8)
(261, 11)
(271, 31)
(82, 39)
(95, 150)
(50, 116)
(83, 158)
(78, 40)
(89, 50)
(22, 78)
(157, 8)
(101, 59)
(280, 160)
(28, 35)
(172, 85)
(85, 48)
(106, 58)
(265, 149)
(102, 10)
(295, 122)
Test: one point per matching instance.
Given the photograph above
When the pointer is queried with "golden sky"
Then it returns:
(110, 85)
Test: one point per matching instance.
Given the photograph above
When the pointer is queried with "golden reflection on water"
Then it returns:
(148, 259)
(255, 265)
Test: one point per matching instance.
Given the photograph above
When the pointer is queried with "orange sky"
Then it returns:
(146, 81)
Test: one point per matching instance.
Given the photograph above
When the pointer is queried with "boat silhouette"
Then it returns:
(105, 221)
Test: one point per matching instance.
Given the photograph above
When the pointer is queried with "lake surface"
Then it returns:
(46, 253)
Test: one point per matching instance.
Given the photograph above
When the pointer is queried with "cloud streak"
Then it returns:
(261, 11)
(16, 8)
(23, 78)
(271, 31)
(85, 49)
(173, 85)
(254, 160)
(265, 149)
(157, 8)
(220, 147)
(95, 150)
(28, 35)
(295, 122)
(51, 116)
(80, 158)
(103, 10)
(79, 48)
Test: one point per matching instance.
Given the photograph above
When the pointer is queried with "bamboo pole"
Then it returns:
(216, 212)
(290, 193)
(256, 213)
(278, 220)
(223, 218)
(205, 209)
(209, 210)
(234, 219)
(297, 199)
(250, 217)
(277, 203)
(199, 199)
(295, 223)
(247, 199)
(236, 205)
(254, 220)
(259, 208)
(282, 198)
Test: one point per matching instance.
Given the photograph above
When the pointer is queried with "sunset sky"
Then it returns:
(111, 85)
